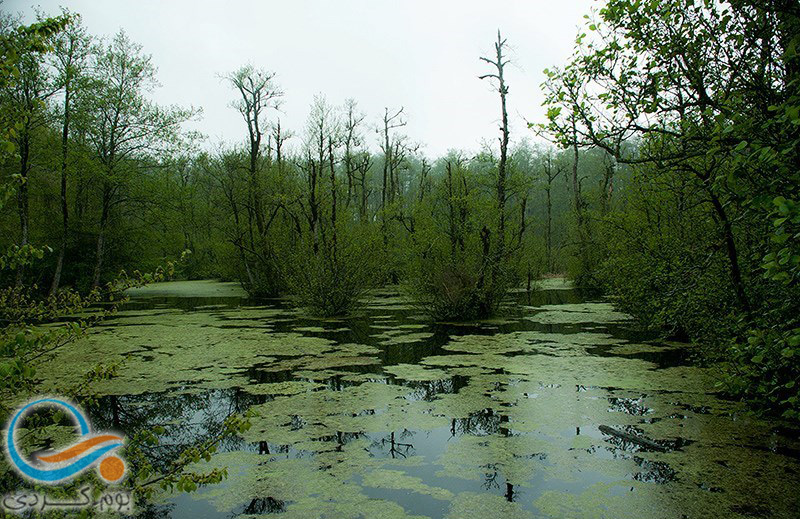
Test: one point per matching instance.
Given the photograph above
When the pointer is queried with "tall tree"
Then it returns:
(322, 132)
(499, 63)
(257, 94)
(389, 146)
(125, 125)
(25, 100)
(70, 59)
(352, 141)
(551, 173)
(579, 203)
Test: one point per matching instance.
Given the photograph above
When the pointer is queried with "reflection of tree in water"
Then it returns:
(262, 505)
(490, 481)
(188, 419)
(651, 471)
(492, 475)
(654, 471)
(482, 423)
(341, 438)
(629, 445)
(395, 444)
(631, 406)
(264, 448)
(258, 375)
(429, 390)
(489, 422)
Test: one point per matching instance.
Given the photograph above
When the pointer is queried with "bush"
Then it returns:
(763, 369)
(332, 284)
(264, 278)
(665, 264)
(459, 288)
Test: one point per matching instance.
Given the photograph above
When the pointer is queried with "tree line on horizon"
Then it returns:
(312, 212)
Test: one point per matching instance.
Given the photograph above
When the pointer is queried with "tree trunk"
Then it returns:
(254, 186)
(333, 200)
(385, 186)
(608, 185)
(549, 229)
(363, 208)
(501, 167)
(22, 197)
(98, 266)
(100, 252)
(733, 255)
(64, 208)
(522, 220)
(312, 205)
(499, 64)
(578, 203)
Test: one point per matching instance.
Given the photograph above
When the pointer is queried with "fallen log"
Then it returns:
(633, 438)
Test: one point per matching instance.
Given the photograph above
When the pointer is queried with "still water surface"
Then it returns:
(559, 408)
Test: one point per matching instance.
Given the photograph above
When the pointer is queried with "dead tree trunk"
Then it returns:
(499, 63)
(390, 122)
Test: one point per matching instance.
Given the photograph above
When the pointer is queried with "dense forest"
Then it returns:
(666, 177)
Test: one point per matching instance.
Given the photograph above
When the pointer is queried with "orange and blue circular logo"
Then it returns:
(92, 449)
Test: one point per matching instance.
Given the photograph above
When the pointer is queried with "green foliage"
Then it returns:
(331, 284)
(659, 265)
(763, 369)
(708, 245)
(181, 474)
(461, 292)
(16, 44)
(454, 267)
(265, 279)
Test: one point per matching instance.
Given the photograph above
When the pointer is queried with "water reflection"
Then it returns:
(504, 425)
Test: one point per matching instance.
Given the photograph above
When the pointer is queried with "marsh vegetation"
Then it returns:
(598, 318)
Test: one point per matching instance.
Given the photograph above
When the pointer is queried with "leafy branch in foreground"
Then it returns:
(180, 474)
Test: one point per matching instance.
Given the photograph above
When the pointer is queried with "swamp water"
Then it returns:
(385, 415)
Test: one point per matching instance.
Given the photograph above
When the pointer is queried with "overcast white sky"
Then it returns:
(419, 54)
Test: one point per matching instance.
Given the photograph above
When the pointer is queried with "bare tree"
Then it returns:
(551, 173)
(258, 93)
(363, 163)
(280, 136)
(321, 136)
(499, 62)
(390, 122)
(389, 147)
(425, 169)
(352, 140)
